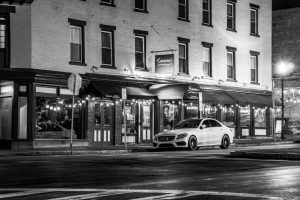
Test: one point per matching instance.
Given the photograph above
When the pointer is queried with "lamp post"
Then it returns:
(283, 68)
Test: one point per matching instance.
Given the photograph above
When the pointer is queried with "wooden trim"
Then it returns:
(231, 48)
(207, 44)
(254, 53)
(140, 32)
(254, 6)
(107, 27)
(183, 40)
(76, 22)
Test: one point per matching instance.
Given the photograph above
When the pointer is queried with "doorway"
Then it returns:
(103, 128)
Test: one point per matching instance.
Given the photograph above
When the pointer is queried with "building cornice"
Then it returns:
(18, 2)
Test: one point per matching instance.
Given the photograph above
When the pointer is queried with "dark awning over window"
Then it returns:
(113, 90)
(217, 97)
(259, 100)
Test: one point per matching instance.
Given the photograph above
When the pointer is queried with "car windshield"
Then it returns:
(188, 124)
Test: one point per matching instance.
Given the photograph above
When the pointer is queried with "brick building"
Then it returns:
(176, 60)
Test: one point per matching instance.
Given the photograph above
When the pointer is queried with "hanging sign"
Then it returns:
(74, 83)
(164, 64)
(192, 91)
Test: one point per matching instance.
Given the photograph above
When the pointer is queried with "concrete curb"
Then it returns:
(53, 153)
(260, 155)
(262, 144)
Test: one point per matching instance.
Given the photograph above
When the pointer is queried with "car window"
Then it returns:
(187, 124)
(214, 123)
(206, 123)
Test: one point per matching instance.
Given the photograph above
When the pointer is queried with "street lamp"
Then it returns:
(283, 69)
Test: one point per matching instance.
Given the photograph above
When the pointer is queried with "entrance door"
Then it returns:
(103, 129)
(145, 129)
(5, 118)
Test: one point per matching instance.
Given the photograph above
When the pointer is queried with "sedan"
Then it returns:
(193, 133)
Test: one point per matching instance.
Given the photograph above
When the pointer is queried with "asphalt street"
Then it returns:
(203, 174)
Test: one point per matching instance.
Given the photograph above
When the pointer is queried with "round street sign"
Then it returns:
(74, 83)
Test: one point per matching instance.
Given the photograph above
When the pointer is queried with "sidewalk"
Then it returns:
(291, 153)
(130, 148)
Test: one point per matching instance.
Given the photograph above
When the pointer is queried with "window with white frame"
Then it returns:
(231, 16)
(206, 55)
(253, 64)
(76, 43)
(206, 12)
(141, 5)
(183, 65)
(183, 10)
(254, 21)
(107, 54)
(140, 55)
(231, 65)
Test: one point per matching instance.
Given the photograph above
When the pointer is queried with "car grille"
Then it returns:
(166, 138)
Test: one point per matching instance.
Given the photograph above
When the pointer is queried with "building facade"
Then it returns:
(172, 60)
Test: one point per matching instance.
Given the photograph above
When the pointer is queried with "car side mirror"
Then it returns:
(203, 126)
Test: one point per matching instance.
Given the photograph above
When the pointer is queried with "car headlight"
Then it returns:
(155, 137)
(181, 136)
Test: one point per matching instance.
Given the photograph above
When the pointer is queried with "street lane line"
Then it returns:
(19, 194)
(89, 196)
(166, 194)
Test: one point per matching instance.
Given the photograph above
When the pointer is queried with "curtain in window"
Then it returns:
(182, 58)
(206, 60)
(230, 70)
(253, 68)
(182, 9)
(253, 22)
(230, 16)
(206, 12)
(76, 43)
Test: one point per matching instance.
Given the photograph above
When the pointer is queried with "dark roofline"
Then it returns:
(19, 2)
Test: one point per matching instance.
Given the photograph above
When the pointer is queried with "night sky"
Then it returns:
(284, 4)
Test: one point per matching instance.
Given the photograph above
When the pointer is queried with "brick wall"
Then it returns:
(50, 36)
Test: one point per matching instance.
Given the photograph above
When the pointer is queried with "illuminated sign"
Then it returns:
(164, 64)
(6, 89)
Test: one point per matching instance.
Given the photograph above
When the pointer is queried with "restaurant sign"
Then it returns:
(192, 91)
(164, 64)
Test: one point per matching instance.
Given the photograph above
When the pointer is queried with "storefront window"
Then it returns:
(131, 128)
(228, 116)
(260, 118)
(245, 116)
(22, 113)
(191, 110)
(209, 111)
(54, 117)
(170, 114)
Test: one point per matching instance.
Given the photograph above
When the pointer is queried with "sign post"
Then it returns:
(74, 84)
(124, 97)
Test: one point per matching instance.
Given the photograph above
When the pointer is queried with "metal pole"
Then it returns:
(72, 121)
(125, 135)
(282, 109)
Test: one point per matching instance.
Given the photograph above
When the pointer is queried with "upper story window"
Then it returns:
(254, 66)
(254, 20)
(108, 3)
(77, 50)
(183, 10)
(140, 49)
(206, 12)
(141, 6)
(231, 25)
(4, 42)
(231, 68)
(183, 55)
(107, 46)
(206, 57)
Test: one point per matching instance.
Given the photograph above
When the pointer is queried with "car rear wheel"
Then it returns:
(225, 142)
(193, 143)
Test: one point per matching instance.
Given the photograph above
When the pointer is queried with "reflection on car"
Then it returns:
(49, 130)
(193, 133)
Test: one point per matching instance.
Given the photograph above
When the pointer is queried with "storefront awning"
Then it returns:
(217, 97)
(259, 100)
(112, 90)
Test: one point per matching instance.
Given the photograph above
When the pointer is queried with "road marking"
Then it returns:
(90, 196)
(165, 194)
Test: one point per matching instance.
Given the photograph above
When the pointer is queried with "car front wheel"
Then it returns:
(193, 143)
(225, 142)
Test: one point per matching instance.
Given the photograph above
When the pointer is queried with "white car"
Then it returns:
(193, 133)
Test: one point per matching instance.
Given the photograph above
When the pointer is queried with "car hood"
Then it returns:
(176, 131)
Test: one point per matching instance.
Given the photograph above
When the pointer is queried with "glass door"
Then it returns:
(103, 128)
(145, 130)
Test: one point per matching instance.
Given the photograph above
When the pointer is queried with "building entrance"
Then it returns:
(103, 129)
